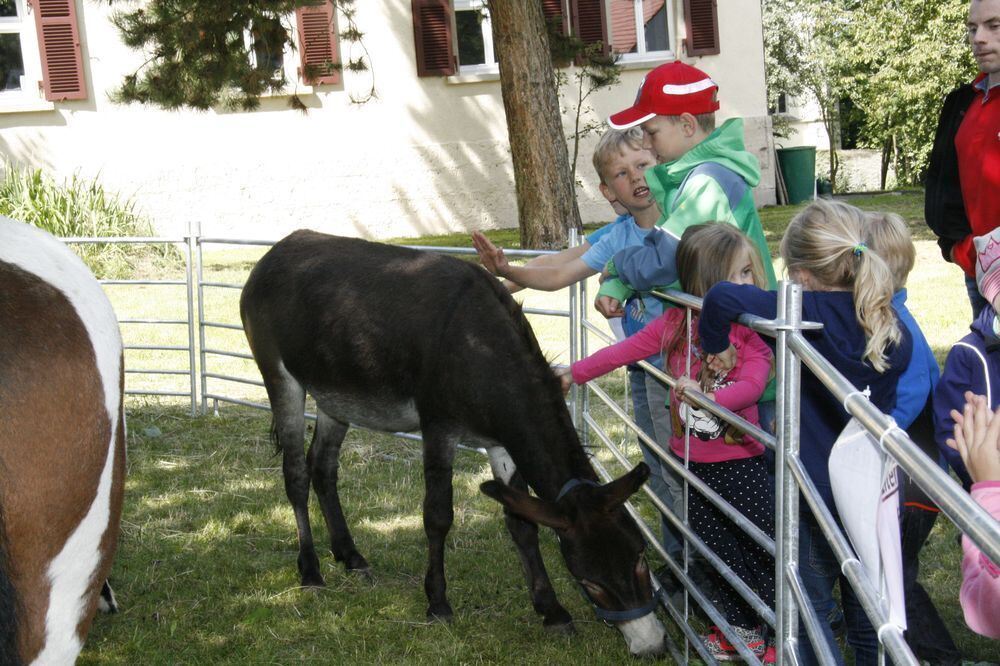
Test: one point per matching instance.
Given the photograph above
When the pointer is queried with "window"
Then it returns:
(640, 29)
(315, 33)
(475, 37)
(20, 67)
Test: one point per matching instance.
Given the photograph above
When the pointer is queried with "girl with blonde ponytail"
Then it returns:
(848, 288)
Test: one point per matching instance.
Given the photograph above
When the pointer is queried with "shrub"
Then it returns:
(83, 208)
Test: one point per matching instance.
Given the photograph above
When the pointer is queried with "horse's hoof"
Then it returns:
(440, 613)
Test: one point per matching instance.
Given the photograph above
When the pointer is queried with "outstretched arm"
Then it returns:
(547, 276)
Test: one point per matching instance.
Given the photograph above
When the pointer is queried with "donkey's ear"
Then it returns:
(526, 506)
(616, 492)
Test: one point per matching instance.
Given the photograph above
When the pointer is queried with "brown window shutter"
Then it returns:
(553, 9)
(318, 43)
(62, 55)
(702, 18)
(588, 22)
(433, 25)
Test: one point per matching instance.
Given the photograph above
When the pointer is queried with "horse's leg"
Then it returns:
(288, 400)
(525, 536)
(324, 466)
(439, 454)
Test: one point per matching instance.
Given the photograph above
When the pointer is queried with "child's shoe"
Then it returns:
(718, 646)
(770, 656)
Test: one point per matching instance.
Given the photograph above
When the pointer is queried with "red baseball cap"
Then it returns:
(669, 90)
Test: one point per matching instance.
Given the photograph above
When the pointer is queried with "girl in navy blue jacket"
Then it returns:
(848, 288)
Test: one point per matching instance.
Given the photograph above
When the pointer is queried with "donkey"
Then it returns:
(62, 447)
(396, 339)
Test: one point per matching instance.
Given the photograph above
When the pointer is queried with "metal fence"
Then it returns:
(792, 605)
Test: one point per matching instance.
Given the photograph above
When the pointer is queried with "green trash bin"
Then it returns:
(798, 168)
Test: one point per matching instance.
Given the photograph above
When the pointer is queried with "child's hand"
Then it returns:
(609, 307)
(565, 376)
(492, 257)
(722, 362)
(684, 384)
(977, 438)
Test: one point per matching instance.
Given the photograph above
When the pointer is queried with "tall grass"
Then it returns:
(82, 207)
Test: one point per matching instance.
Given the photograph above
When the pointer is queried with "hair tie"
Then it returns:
(859, 249)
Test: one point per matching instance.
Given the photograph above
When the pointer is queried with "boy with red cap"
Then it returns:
(705, 174)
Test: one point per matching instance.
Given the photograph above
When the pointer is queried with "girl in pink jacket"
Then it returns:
(728, 461)
(977, 439)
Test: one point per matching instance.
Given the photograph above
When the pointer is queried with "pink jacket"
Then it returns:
(712, 440)
(980, 595)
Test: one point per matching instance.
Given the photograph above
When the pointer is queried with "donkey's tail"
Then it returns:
(9, 655)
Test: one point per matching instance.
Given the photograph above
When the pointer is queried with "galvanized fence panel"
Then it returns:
(187, 369)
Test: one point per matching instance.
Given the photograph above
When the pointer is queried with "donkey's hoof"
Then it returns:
(312, 579)
(364, 574)
(354, 562)
(566, 628)
(440, 613)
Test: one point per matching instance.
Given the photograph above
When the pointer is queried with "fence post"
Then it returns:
(189, 279)
(201, 319)
(788, 373)
(575, 333)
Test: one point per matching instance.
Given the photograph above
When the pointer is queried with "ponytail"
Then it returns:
(873, 306)
(828, 239)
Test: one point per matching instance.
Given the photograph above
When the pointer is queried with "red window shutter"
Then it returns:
(433, 25)
(702, 18)
(588, 22)
(59, 43)
(318, 43)
(553, 9)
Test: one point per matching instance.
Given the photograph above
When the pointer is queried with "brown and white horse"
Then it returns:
(62, 446)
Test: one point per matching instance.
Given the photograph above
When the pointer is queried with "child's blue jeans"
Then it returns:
(820, 571)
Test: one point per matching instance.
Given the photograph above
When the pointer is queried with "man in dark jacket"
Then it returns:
(963, 179)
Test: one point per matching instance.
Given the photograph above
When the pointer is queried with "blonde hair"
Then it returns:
(706, 255)
(828, 239)
(613, 143)
(889, 236)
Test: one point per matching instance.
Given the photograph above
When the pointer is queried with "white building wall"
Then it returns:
(429, 155)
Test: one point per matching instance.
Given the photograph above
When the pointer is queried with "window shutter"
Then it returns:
(59, 43)
(588, 22)
(702, 18)
(318, 43)
(433, 26)
(553, 9)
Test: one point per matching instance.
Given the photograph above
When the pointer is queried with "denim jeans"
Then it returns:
(975, 298)
(651, 414)
(820, 571)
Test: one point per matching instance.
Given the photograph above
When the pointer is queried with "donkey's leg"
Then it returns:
(525, 536)
(439, 454)
(288, 400)
(324, 466)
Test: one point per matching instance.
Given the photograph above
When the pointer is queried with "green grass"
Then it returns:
(206, 567)
(83, 208)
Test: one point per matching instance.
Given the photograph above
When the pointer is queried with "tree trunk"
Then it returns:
(546, 203)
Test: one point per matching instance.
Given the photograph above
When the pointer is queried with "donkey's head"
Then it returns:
(603, 549)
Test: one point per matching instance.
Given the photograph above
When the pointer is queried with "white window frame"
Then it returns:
(30, 97)
(641, 54)
(490, 66)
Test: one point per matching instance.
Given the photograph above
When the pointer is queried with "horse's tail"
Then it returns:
(9, 655)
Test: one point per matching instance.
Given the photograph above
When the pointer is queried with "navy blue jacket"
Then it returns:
(973, 364)
(841, 341)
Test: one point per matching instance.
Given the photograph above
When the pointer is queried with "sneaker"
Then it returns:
(754, 639)
(718, 646)
(770, 656)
